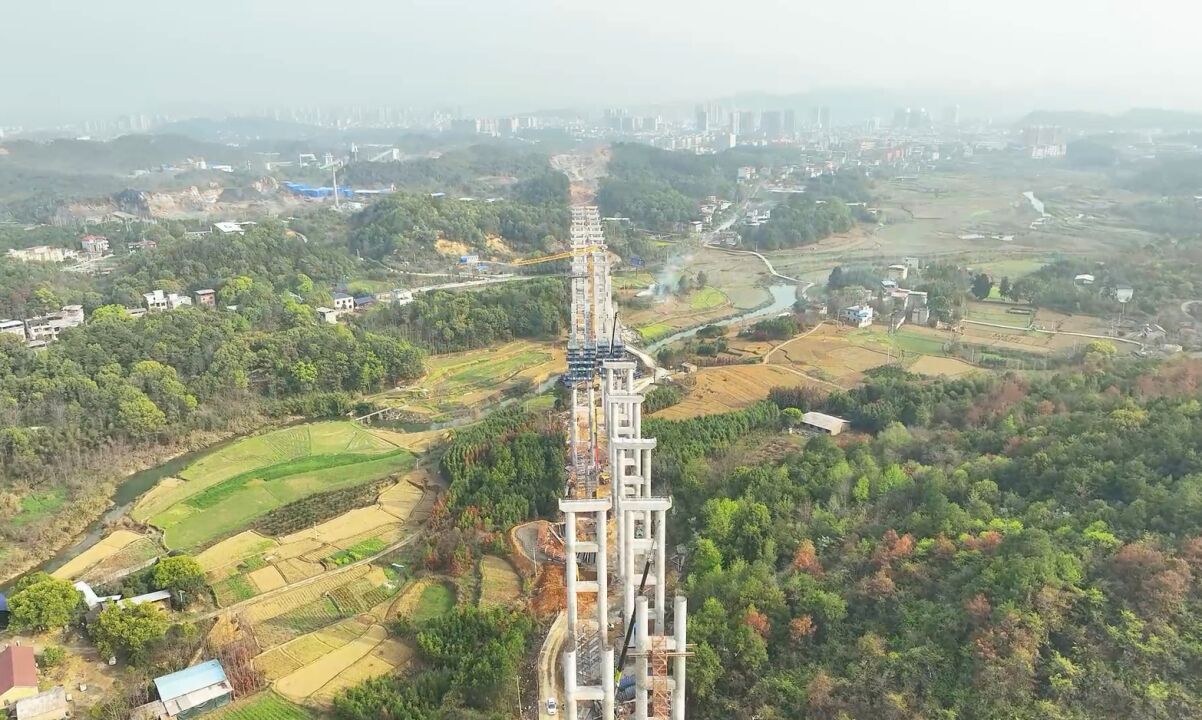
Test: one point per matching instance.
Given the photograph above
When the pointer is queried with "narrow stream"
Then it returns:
(134, 486)
(783, 297)
(127, 493)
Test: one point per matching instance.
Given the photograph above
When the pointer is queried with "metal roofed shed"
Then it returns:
(194, 691)
(823, 423)
(151, 597)
(49, 705)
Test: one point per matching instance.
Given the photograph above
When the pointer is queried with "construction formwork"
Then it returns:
(609, 476)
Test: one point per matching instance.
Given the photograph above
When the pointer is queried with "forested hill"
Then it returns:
(1003, 547)
(411, 225)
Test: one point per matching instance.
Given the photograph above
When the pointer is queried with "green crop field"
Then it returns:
(707, 298)
(487, 369)
(918, 344)
(998, 312)
(655, 331)
(913, 343)
(264, 706)
(633, 281)
(301, 621)
(436, 600)
(233, 590)
(229, 488)
(358, 551)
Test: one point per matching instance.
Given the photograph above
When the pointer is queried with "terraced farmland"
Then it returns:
(232, 487)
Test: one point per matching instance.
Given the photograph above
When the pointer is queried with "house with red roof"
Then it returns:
(18, 674)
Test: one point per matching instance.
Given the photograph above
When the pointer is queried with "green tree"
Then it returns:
(129, 632)
(45, 300)
(137, 415)
(43, 602)
(180, 573)
(982, 285)
(110, 312)
(51, 656)
(162, 385)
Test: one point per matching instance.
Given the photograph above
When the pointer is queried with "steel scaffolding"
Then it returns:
(609, 474)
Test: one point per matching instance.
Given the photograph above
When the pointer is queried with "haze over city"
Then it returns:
(614, 360)
(66, 59)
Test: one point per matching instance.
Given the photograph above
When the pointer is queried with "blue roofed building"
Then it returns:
(194, 691)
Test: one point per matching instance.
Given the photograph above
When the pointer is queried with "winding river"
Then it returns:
(783, 297)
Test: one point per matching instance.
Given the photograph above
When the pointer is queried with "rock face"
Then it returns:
(204, 200)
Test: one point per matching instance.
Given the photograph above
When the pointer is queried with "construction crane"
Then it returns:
(565, 255)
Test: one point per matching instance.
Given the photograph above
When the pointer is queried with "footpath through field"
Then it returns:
(768, 356)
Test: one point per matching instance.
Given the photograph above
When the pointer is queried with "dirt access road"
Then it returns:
(550, 679)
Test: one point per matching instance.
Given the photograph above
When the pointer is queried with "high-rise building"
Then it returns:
(824, 117)
(951, 115)
(748, 122)
(614, 117)
(790, 122)
(1044, 141)
(771, 123)
(702, 120)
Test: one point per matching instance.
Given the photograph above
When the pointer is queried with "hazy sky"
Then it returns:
(95, 58)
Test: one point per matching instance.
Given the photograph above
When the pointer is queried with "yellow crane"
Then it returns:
(551, 258)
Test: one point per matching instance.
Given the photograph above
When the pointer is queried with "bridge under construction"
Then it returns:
(624, 659)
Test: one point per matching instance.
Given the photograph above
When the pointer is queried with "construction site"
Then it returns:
(621, 659)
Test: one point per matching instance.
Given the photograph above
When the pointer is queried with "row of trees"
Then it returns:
(777, 328)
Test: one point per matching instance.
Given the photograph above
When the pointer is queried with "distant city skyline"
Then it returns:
(74, 59)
